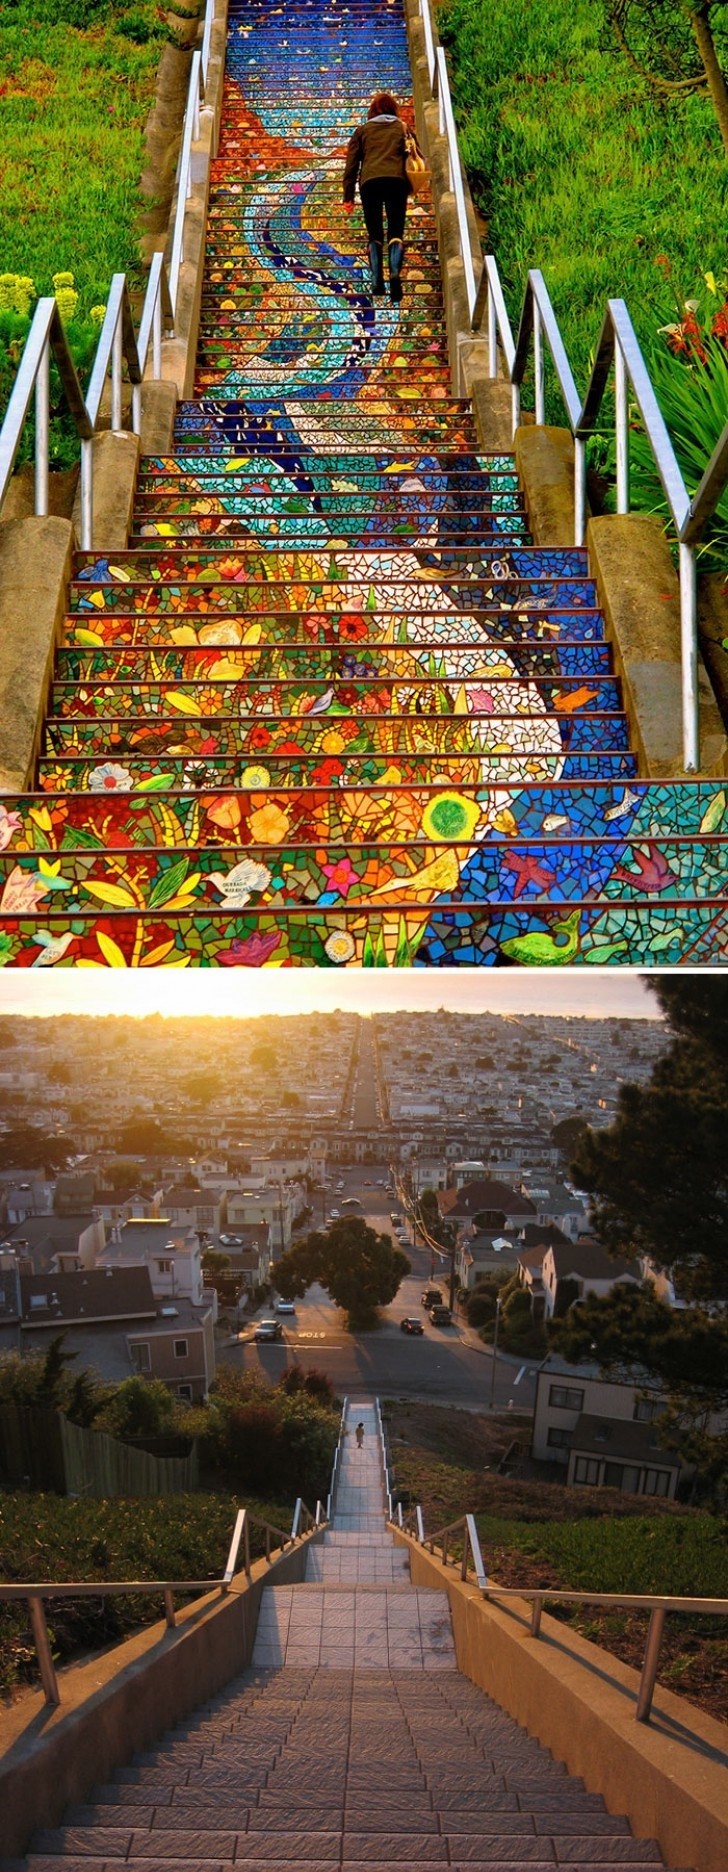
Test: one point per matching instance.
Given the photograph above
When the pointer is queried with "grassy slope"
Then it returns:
(46, 1537)
(576, 170)
(537, 1533)
(72, 109)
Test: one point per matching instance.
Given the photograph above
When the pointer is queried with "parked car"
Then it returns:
(413, 1326)
(440, 1315)
(268, 1329)
(393, 1217)
(285, 1306)
(334, 1215)
(432, 1297)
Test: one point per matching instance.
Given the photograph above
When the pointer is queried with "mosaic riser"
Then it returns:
(76, 775)
(526, 637)
(323, 663)
(217, 735)
(379, 874)
(319, 665)
(546, 816)
(238, 595)
(622, 936)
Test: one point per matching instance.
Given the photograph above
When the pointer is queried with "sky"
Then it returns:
(619, 993)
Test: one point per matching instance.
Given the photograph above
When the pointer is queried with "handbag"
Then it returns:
(415, 167)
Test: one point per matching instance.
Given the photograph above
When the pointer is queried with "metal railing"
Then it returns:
(658, 1605)
(385, 1459)
(618, 351)
(331, 1497)
(35, 1593)
(118, 344)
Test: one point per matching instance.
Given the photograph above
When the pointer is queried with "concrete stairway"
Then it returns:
(332, 706)
(352, 1742)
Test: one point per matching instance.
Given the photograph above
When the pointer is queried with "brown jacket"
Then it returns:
(376, 150)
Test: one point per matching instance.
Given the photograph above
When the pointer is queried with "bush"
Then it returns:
(281, 1440)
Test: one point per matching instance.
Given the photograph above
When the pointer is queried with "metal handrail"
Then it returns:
(303, 1520)
(331, 1497)
(658, 1604)
(118, 343)
(385, 1458)
(36, 1592)
(618, 348)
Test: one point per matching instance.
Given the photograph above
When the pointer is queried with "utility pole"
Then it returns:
(495, 1353)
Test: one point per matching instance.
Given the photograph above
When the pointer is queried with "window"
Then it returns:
(657, 1482)
(586, 1469)
(164, 1267)
(563, 1398)
(141, 1356)
(559, 1439)
(624, 1476)
(185, 1391)
(645, 1410)
(180, 1348)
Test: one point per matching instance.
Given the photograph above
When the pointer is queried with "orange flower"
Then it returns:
(225, 811)
(268, 826)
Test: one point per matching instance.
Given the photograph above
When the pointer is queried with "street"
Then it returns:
(446, 1365)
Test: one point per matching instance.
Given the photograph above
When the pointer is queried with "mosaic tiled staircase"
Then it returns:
(332, 706)
(351, 1742)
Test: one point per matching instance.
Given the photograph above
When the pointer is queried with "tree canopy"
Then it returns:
(676, 46)
(658, 1177)
(359, 1268)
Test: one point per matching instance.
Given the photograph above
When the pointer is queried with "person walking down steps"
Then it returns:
(359, 1435)
(376, 157)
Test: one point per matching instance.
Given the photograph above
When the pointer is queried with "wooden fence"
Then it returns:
(41, 1449)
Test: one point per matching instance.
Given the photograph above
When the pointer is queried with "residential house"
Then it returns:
(479, 1253)
(114, 1325)
(557, 1205)
(588, 1269)
(189, 1206)
(272, 1205)
(173, 1256)
(601, 1431)
(494, 1204)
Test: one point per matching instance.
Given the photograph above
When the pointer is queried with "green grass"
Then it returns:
(578, 170)
(46, 1537)
(73, 103)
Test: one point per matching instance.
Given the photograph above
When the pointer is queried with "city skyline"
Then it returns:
(606, 994)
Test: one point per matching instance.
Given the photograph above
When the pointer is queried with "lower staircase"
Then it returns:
(352, 1741)
(332, 706)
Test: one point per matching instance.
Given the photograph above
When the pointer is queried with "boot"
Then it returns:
(396, 257)
(376, 262)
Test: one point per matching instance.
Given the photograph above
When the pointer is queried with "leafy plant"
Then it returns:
(688, 362)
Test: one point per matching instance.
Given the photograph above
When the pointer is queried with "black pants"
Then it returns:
(384, 195)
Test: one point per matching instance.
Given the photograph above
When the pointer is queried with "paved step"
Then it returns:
(354, 1767)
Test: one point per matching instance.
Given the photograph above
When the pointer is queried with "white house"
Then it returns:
(588, 1267)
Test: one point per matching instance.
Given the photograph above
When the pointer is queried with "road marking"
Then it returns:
(519, 1376)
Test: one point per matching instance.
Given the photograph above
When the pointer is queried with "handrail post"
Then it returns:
(43, 1648)
(420, 1524)
(169, 1611)
(246, 1544)
(267, 1543)
(649, 1667)
(116, 359)
(538, 365)
(579, 490)
(87, 496)
(492, 336)
(42, 431)
(536, 1610)
(622, 427)
(464, 1561)
(689, 658)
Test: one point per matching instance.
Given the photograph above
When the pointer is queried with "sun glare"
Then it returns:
(251, 993)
